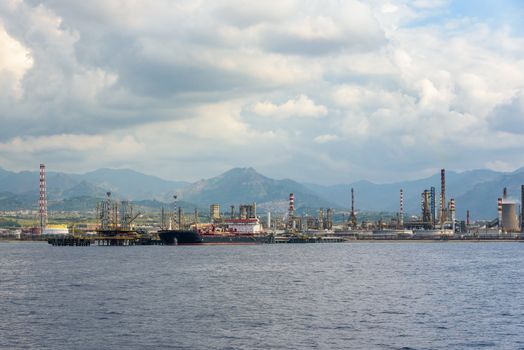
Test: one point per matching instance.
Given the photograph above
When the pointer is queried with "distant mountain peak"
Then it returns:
(239, 170)
(248, 173)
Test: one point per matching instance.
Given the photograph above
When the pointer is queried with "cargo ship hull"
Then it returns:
(179, 237)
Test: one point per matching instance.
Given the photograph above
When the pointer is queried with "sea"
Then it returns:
(291, 296)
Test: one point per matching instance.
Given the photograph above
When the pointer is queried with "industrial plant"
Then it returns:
(117, 224)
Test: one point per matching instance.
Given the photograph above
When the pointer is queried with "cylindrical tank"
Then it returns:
(510, 220)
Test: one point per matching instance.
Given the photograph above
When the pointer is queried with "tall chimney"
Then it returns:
(353, 215)
(291, 212)
(401, 214)
(352, 201)
(442, 196)
(467, 217)
(505, 194)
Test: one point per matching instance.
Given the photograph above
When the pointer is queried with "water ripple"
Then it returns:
(332, 296)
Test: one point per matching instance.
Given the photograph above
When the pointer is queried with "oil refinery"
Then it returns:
(117, 224)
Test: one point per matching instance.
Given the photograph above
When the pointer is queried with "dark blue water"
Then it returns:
(323, 296)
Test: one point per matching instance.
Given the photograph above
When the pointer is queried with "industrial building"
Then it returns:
(214, 212)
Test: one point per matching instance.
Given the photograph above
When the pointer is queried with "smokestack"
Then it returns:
(433, 207)
(352, 201)
(401, 214)
(426, 215)
(353, 216)
(329, 218)
(232, 212)
(467, 217)
(499, 209)
(505, 194)
(291, 204)
(442, 196)
(291, 212)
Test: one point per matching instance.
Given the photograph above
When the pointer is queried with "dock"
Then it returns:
(118, 241)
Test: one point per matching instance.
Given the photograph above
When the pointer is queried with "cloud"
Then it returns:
(499, 165)
(327, 28)
(302, 106)
(509, 116)
(191, 88)
(15, 61)
(325, 138)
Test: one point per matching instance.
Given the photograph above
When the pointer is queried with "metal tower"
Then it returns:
(42, 203)
(401, 213)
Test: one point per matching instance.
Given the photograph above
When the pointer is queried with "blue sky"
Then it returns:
(320, 91)
(495, 12)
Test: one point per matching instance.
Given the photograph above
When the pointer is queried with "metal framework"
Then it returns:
(42, 202)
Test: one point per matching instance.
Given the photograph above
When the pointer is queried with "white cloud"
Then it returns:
(101, 144)
(302, 106)
(325, 138)
(499, 165)
(217, 84)
(15, 61)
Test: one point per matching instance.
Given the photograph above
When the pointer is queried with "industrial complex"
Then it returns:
(116, 223)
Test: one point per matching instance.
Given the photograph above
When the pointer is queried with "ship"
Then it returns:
(235, 231)
(230, 238)
(245, 230)
(179, 237)
(190, 237)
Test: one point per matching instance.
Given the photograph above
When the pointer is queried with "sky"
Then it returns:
(324, 91)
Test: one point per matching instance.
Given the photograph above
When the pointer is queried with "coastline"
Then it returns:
(434, 241)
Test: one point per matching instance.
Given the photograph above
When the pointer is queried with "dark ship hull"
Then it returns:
(176, 237)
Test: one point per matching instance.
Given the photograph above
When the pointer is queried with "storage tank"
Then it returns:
(510, 219)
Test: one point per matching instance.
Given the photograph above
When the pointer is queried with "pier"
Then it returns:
(82, 241)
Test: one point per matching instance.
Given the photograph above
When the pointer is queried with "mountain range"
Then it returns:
(476, 190)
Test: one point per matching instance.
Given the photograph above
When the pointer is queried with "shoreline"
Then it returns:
(357, 241)
(8, 241)
(434, 241)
